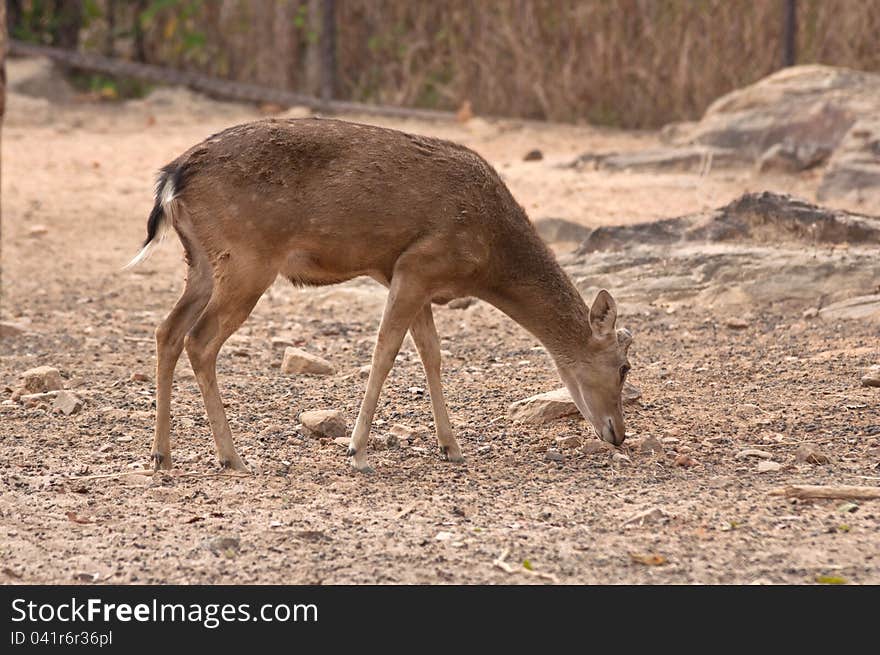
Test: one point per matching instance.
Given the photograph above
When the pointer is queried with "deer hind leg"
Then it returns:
(427, 342)
(238, 285)
(169, 344)
(406, 296)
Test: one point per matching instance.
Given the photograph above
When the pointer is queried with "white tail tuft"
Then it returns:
(164, 197)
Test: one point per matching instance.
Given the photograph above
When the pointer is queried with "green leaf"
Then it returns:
(527, 565)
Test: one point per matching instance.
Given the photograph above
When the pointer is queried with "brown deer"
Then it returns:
(323, 201)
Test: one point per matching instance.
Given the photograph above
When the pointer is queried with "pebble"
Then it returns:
(554, 456)
(8, 329)
(534, 155)
(37, 230)
(299, 361)
(651, 445)
(41, 379)
(620, 458)
(67, 403)
(324, 423)
(342, 441)
(768, 466)
(871, 378)
(139, 376)
(685, 460)
(809, 454)
(594, 446)
(736, 323)
(461, 303)
(752, 452)
(568, 441)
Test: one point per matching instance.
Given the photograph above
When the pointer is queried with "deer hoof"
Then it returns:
(160, 461)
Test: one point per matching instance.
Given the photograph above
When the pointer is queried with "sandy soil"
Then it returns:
(85, 173)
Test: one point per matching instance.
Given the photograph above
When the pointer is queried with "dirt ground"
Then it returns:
(85, 171)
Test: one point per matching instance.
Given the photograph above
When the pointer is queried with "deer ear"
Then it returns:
(603, 314)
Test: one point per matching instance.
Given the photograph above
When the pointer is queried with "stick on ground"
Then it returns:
(805, 491)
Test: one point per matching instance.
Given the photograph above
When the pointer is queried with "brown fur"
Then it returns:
(323, 201)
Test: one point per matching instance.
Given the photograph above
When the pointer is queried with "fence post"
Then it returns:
(328, 50)
(789, 33)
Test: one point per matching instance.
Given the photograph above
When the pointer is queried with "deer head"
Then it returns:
(596, 380)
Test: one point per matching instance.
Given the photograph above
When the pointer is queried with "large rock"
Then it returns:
(300, 361)
(801, 105)
(854, 172)
(556, 404)
(866, 308)
(324, 424)
(67, 403)
(42, 379)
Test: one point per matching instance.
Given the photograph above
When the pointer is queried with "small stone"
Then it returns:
(871, 378)
(342, 441)
(685, 461)
(809, 454)
(8, 330)
(651, 445)
(736, 323)
(416, 391)
(124, 439)
(461, 303)
(281, 342)
(811, 312)
(106, 448)
(37, 230)
(67, 403)
(753, 452)
(768, 466)
(139, 376)
(228, 546)
(444, 536)
(594, 446)
(324, 423)
(554, 456)
(653, 515)
(403, 432)
(630, 393)
(299, 361)
(568, 441)
(534, 155)
(41, 379)
(621, 459)
(543, 407)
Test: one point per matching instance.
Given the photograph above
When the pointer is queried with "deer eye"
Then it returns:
(623, 371)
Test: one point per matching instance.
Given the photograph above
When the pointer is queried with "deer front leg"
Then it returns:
(405, 297)
(427, 342)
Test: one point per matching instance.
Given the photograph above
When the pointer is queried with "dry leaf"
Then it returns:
(650, 559)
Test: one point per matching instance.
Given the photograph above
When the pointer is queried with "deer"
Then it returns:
(322, 201)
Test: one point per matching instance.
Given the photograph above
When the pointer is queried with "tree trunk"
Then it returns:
(313, 49)
(69, 17)
(328, 50)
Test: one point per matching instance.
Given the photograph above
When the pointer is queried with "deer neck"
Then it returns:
(536, 293)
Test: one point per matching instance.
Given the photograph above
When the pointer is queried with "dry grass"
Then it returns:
(630, 63)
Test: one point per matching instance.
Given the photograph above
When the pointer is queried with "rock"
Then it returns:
(139, 376)
(809, 454)
(325, 423)
(543, 407)
(854, 171)
(37, 230)
(34, 398)
(461, 303)
(554, 230)
(621, 459)
(67, 403)
(41, 379)
(789, 157)
(300, 361)
(652, 515)
(674, 159)
(384, 442)
(630, 393)
(651, 446)
(416, 391)
(534, 155)
(768, 466)
(752, 452)
(9, 330)
(554, 456)
(106, 448)
(871, 378)
(228, 546)
(810, 312)
(281, 342)
(568, 441)
(865, 308)
(403, 432)
(736, 323)
(685, 461)
(801, 105)
(593, 446)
